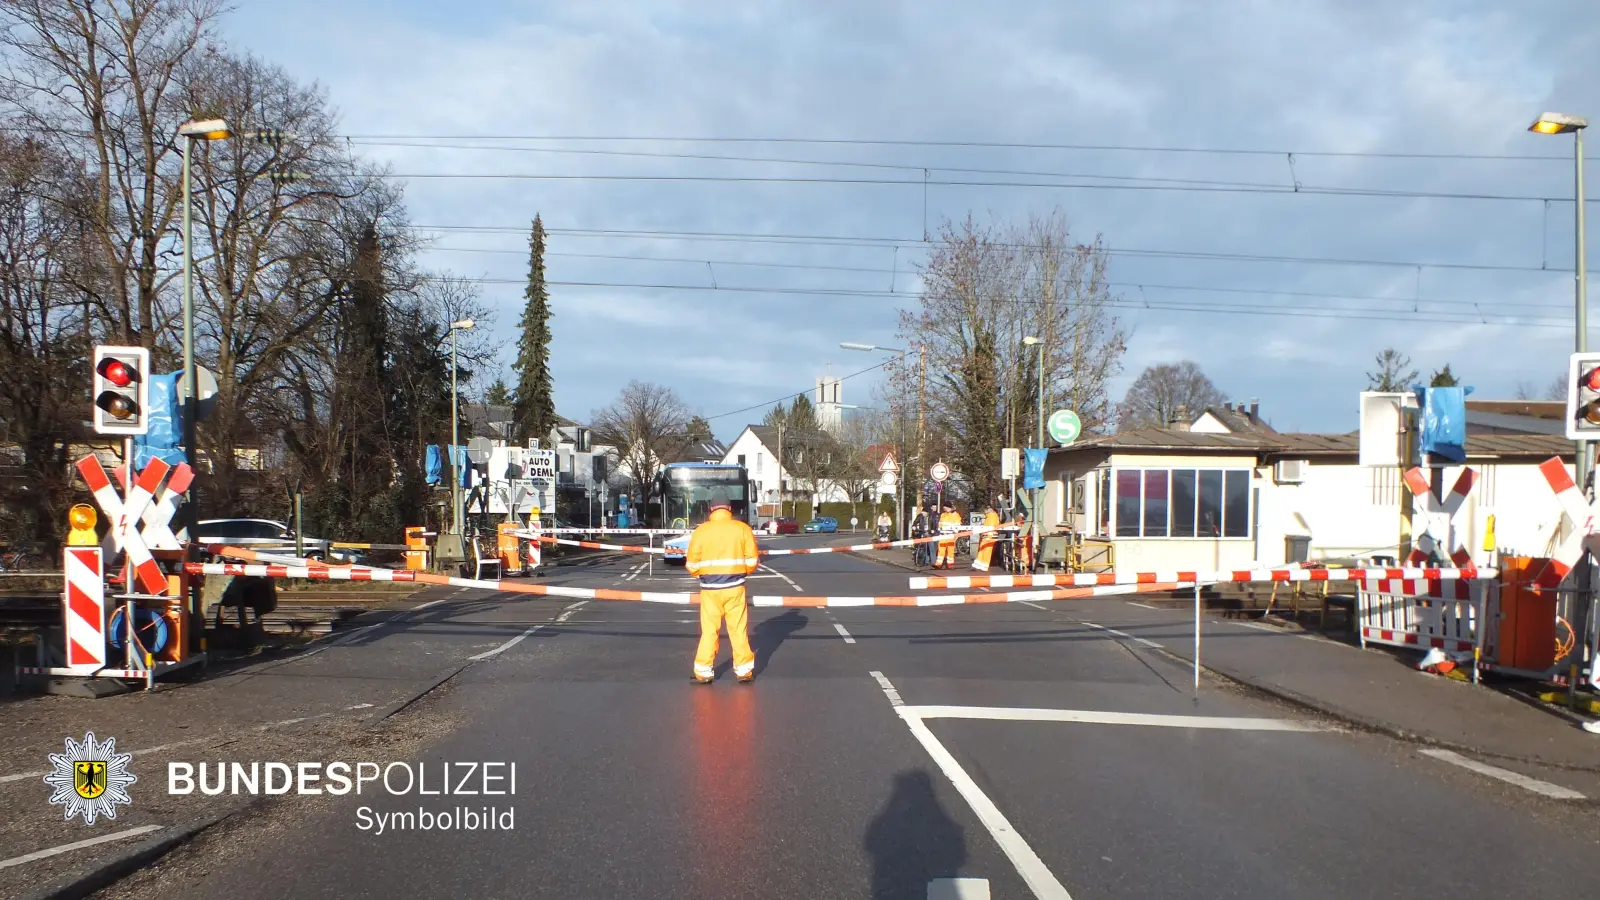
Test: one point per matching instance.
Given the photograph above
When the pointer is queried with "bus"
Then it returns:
(680, 497)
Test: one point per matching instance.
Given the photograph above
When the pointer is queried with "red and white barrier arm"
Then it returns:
(797, 551)
(1238, 576)
(322, 573)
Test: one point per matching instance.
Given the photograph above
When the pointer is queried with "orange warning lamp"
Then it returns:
(81, 519)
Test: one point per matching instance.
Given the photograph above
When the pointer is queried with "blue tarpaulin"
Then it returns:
(1444, 422)
(434, 464)
(164, 441)
(1033, 468)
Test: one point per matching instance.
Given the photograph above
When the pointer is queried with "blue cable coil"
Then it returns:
(151, 626)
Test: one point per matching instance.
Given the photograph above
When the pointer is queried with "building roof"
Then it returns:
(1503, 423)
(1537, 409)
(1307, 445)
(697, 451)
(492, 422)
(1239, 419)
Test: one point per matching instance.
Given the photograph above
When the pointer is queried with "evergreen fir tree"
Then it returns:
(534, 408)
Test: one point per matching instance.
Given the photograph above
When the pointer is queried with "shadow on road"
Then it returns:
(912, 841)
(769, 634)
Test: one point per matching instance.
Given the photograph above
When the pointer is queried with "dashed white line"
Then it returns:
(787, 579)
(1542, 788)
(79, 845)
(489, 654)
(958, 889)
(1144, 606)
(888, 689)
(1259, 627)
(844, 634)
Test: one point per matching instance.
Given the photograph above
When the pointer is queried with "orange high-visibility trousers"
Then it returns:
(714, 607)
(947, 553)
(980, 560)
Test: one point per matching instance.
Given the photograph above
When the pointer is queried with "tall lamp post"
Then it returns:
(191, 131)
(906, 471)
(455, 436)
(1038, 516)
(1561, 123)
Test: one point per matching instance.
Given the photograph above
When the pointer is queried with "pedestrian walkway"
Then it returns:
(1372, 688)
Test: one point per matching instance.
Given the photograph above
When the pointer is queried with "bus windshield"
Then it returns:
(686, 492)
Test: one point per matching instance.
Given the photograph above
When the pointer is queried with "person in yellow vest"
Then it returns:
(987, 540)
(722, 552)
(949, 521)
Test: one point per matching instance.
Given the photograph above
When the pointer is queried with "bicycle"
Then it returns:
(23, 558)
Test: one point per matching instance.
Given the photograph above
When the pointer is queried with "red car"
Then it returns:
(781, 526)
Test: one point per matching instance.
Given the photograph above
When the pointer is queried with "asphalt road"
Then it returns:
(883, 749)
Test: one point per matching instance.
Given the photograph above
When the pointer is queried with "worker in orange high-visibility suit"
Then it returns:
(1024, 543)
(987, 540)
(949, 521)
(721, 553)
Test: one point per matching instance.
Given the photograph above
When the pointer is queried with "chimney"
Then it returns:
(1255, 408)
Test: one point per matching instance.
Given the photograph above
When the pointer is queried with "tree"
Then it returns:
(534, 408)
(1555, 390)
(987, 288)
(646, 424)
(1443, 378)
(102, 83)
(698, 431)
(1394, 372)
(802, 415)
(497, 394)
(1161, 392)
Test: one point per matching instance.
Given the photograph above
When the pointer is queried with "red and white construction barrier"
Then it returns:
(670, 531)
(85, 609)
(323, 573)
(1423, 613)
(959, 582)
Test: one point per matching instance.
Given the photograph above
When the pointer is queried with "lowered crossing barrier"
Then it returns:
(1412, 575)
(543, 537)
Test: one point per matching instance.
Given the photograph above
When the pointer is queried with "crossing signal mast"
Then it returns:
(1583, 397)
(121, 390)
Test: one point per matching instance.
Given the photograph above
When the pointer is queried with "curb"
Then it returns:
(110, 871)
(394, 708)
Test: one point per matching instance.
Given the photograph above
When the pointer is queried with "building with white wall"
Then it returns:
(756, 448)
(1178, 499)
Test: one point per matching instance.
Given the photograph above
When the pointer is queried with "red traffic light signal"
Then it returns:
(116, 371)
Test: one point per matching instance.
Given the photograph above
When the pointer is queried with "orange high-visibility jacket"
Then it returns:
(722, 551)
(949, 521)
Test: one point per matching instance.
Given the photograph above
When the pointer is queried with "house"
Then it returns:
(1165, 499)
(756, 448)
(1231, 418)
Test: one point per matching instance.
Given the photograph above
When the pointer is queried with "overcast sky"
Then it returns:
(1315, 79)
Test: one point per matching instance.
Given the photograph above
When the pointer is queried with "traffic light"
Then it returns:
(121, 390)
(1583, 397)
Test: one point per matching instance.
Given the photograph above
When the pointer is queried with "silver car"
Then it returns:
(268, 536)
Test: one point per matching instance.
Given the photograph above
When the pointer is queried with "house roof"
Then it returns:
(1514, 422)
(1537, 409)
(1307, 445)
(697, 450)
(1237, 421)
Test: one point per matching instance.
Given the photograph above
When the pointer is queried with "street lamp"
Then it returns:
(455, 438)
(899, 497)
(1038, 515)
(191, 131)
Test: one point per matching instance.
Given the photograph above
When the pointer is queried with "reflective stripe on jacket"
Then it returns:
(722, 551)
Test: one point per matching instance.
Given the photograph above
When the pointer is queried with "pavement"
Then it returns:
(1048, 750)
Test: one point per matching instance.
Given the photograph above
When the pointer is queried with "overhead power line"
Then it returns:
(993, 145)
(789, 397)
(889, 243)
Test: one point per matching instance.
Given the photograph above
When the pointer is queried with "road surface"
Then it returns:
(881, 751)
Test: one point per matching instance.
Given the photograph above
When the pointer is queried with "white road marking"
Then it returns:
(1144, 606)
(786, 578)
(79, 845)
(1104, 717)
(489, 654)
(844, 634)
(1029, 865)
(1149, 643)
(958, 889)
(888, 690)
(1259, 627)
(1542, 788)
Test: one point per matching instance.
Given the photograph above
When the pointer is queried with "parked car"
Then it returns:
(269, 536)
(782, 525)
(822, 525)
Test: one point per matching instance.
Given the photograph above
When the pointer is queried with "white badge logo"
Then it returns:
(91, 779)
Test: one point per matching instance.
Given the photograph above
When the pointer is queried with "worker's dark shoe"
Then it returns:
(698, 680)
(746, 679)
